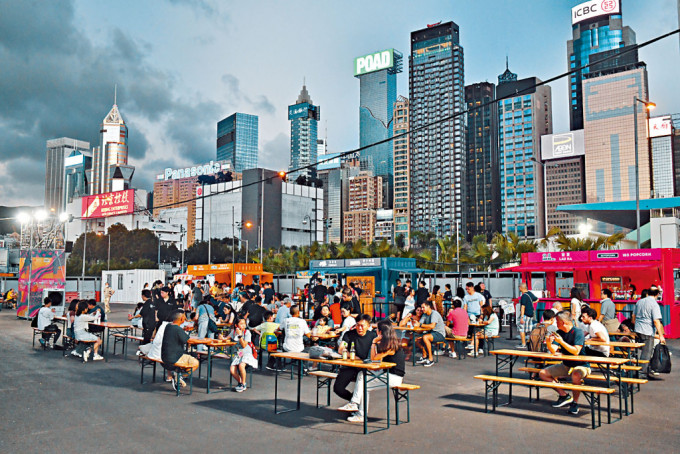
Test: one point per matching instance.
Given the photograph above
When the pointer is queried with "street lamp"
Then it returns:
(327, 222)
(648, 106)
(304, 222)
(240, 225)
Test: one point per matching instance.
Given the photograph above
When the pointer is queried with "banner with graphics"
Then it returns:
(39, 269)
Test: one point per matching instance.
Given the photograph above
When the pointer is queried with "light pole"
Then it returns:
(108, 255)
(84, 249)
(458, 248)
(648, 106)
(327, 225)
(181, 244)
(233, 236)
(240, 226)
(304, 222)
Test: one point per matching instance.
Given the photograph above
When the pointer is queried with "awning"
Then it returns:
(621, 213)
(545, 267)
(255, 273)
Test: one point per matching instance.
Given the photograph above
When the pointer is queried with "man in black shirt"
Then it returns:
(319, 292)
(165, 306)
(148, 314)
(268, 293)
(172, 349)
(362, 339)
(399, 298)
(352, 301)
(255, 313)
(422, 294)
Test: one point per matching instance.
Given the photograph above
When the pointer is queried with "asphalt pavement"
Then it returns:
(53, 404)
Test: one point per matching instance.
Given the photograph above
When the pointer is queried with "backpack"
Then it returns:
(661, 359)
(536, 341)
(271, 343)
(34, 321)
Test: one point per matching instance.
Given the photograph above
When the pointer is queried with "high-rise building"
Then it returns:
(304, 123)
(377, 74)
(596, 27)
(237, 141)
(483, 195)
(608, 103)
(436, 92)
(402, 184)
(111, 154)
(59, 187)
(523, 118)
(335, 175)
(321, 147)
(661, 134)
(563, 167)
(365, 198)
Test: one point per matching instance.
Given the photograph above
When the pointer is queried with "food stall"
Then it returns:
(625, 272)
(231, 273)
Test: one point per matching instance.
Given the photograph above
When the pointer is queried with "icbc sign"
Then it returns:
(594, 8)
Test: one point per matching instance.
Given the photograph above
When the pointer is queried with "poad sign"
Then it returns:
(374, 62)
(108, 204)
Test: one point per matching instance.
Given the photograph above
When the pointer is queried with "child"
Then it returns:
(267, 331)
(244, 356)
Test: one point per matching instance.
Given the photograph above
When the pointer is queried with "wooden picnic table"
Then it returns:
(111, 328)
(415, 330)
(377, 371)
(212, 346)
(630, 349)
(506, 359)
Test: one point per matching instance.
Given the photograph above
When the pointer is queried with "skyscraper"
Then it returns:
(483, 195)
(112, 153)
(609, 135)
(523, 118)
(237, 141)
(56, 158)
(304, 122)
(365, 198)
(402, 185)
(377, 74)
(663, 167)
(596, 27)
(436, 92)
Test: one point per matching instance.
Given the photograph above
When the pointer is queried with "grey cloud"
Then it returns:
(260, 104)
(275, 154)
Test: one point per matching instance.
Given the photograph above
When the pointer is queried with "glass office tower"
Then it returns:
(436, 92)
(237, 141)
(304, 130)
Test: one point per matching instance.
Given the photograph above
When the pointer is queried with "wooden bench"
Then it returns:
(401, 393)
(591, 393)
(459, 345)
(119, 337)
(38, 332)
(72, 343)
(323, 380)
(145, 362)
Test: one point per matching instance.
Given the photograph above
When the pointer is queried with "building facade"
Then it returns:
(483, 195)
(334, 176)
(402, 181)
(593, 31)
(365, 198)
(377, 74)
(563, 166)
(61, 184)
(524, 115)
(663, 156)
(237, 141)
(304, 124)
(609, 135)
(436, 91)
(111, 154)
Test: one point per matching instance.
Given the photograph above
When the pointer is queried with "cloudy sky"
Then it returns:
(182, 65)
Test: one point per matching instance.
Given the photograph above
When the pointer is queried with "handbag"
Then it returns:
(661, 359)
(254, 349)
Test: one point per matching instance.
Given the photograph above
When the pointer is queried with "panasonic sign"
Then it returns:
(374, 62)
(207, 169)
(594, 8)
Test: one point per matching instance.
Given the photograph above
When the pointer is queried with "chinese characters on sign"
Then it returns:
(108, 204)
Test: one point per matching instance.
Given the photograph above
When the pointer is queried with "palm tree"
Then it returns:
(565, 243)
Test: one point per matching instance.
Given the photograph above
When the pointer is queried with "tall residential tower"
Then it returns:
(304, 123)
(61, 185)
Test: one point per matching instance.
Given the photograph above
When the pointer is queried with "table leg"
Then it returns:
(609, 398)
(365, 403)
(388, 399)
(105, 346)
(276, 389)
(209, 368)
(299, 386)
(413, 347)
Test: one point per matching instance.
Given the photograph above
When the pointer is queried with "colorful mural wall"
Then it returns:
(39, 269)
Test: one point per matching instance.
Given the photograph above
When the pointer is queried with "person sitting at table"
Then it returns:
(152, 350)
(491, 326)
(557, 307)
(46, 324)
(459, 321)
(229, 314)
(325, 314)
(432, 320)
(595, 331)
(570, 341)
(295, 330)
(136, 317)
(173, 346)
(385, 348)
(362, 339)
(94, 309)
(244, 356)
(284, 311)
(267, 331)
(550, 321)
(80, 330)
(348, 321)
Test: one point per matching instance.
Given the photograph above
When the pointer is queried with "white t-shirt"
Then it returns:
(45, 316)
(597, 327)
(155, 352)
(295, 329)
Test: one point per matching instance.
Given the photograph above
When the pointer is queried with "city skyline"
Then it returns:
(171, 91)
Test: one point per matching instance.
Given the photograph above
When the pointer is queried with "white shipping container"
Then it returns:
(128, 284)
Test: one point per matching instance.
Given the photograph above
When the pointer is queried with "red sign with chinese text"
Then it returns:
(109, 204)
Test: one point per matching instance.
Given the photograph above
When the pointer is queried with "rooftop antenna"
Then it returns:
(506, 62)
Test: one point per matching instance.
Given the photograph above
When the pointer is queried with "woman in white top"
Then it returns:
(410, 303)
(575, 309)
(80, 325)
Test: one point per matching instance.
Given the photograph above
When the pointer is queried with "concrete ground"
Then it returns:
(54, 404)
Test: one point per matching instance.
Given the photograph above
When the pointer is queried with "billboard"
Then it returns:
(594, 8)
(108, 204)
(303, 110)
(374, 62)
(565, 145)
(660, 126)
(39, 269)
(206, 169)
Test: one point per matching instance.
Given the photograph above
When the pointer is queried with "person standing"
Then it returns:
(608, 312)
(399, 298)
(165, 306)
(473, 301)
(485, 293)
(148, 314)
(107, 293)
(268, 293)
(525, 314)
(646, 318)
(422, 294)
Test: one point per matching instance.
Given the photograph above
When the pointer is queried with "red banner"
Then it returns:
(108, 204)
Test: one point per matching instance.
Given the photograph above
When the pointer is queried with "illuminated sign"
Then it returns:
(374, 62)
(660, 126)
(108, 204)
(556, 146)
(304, 110)
(594, 8)
(195, 171)
(73, 160)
